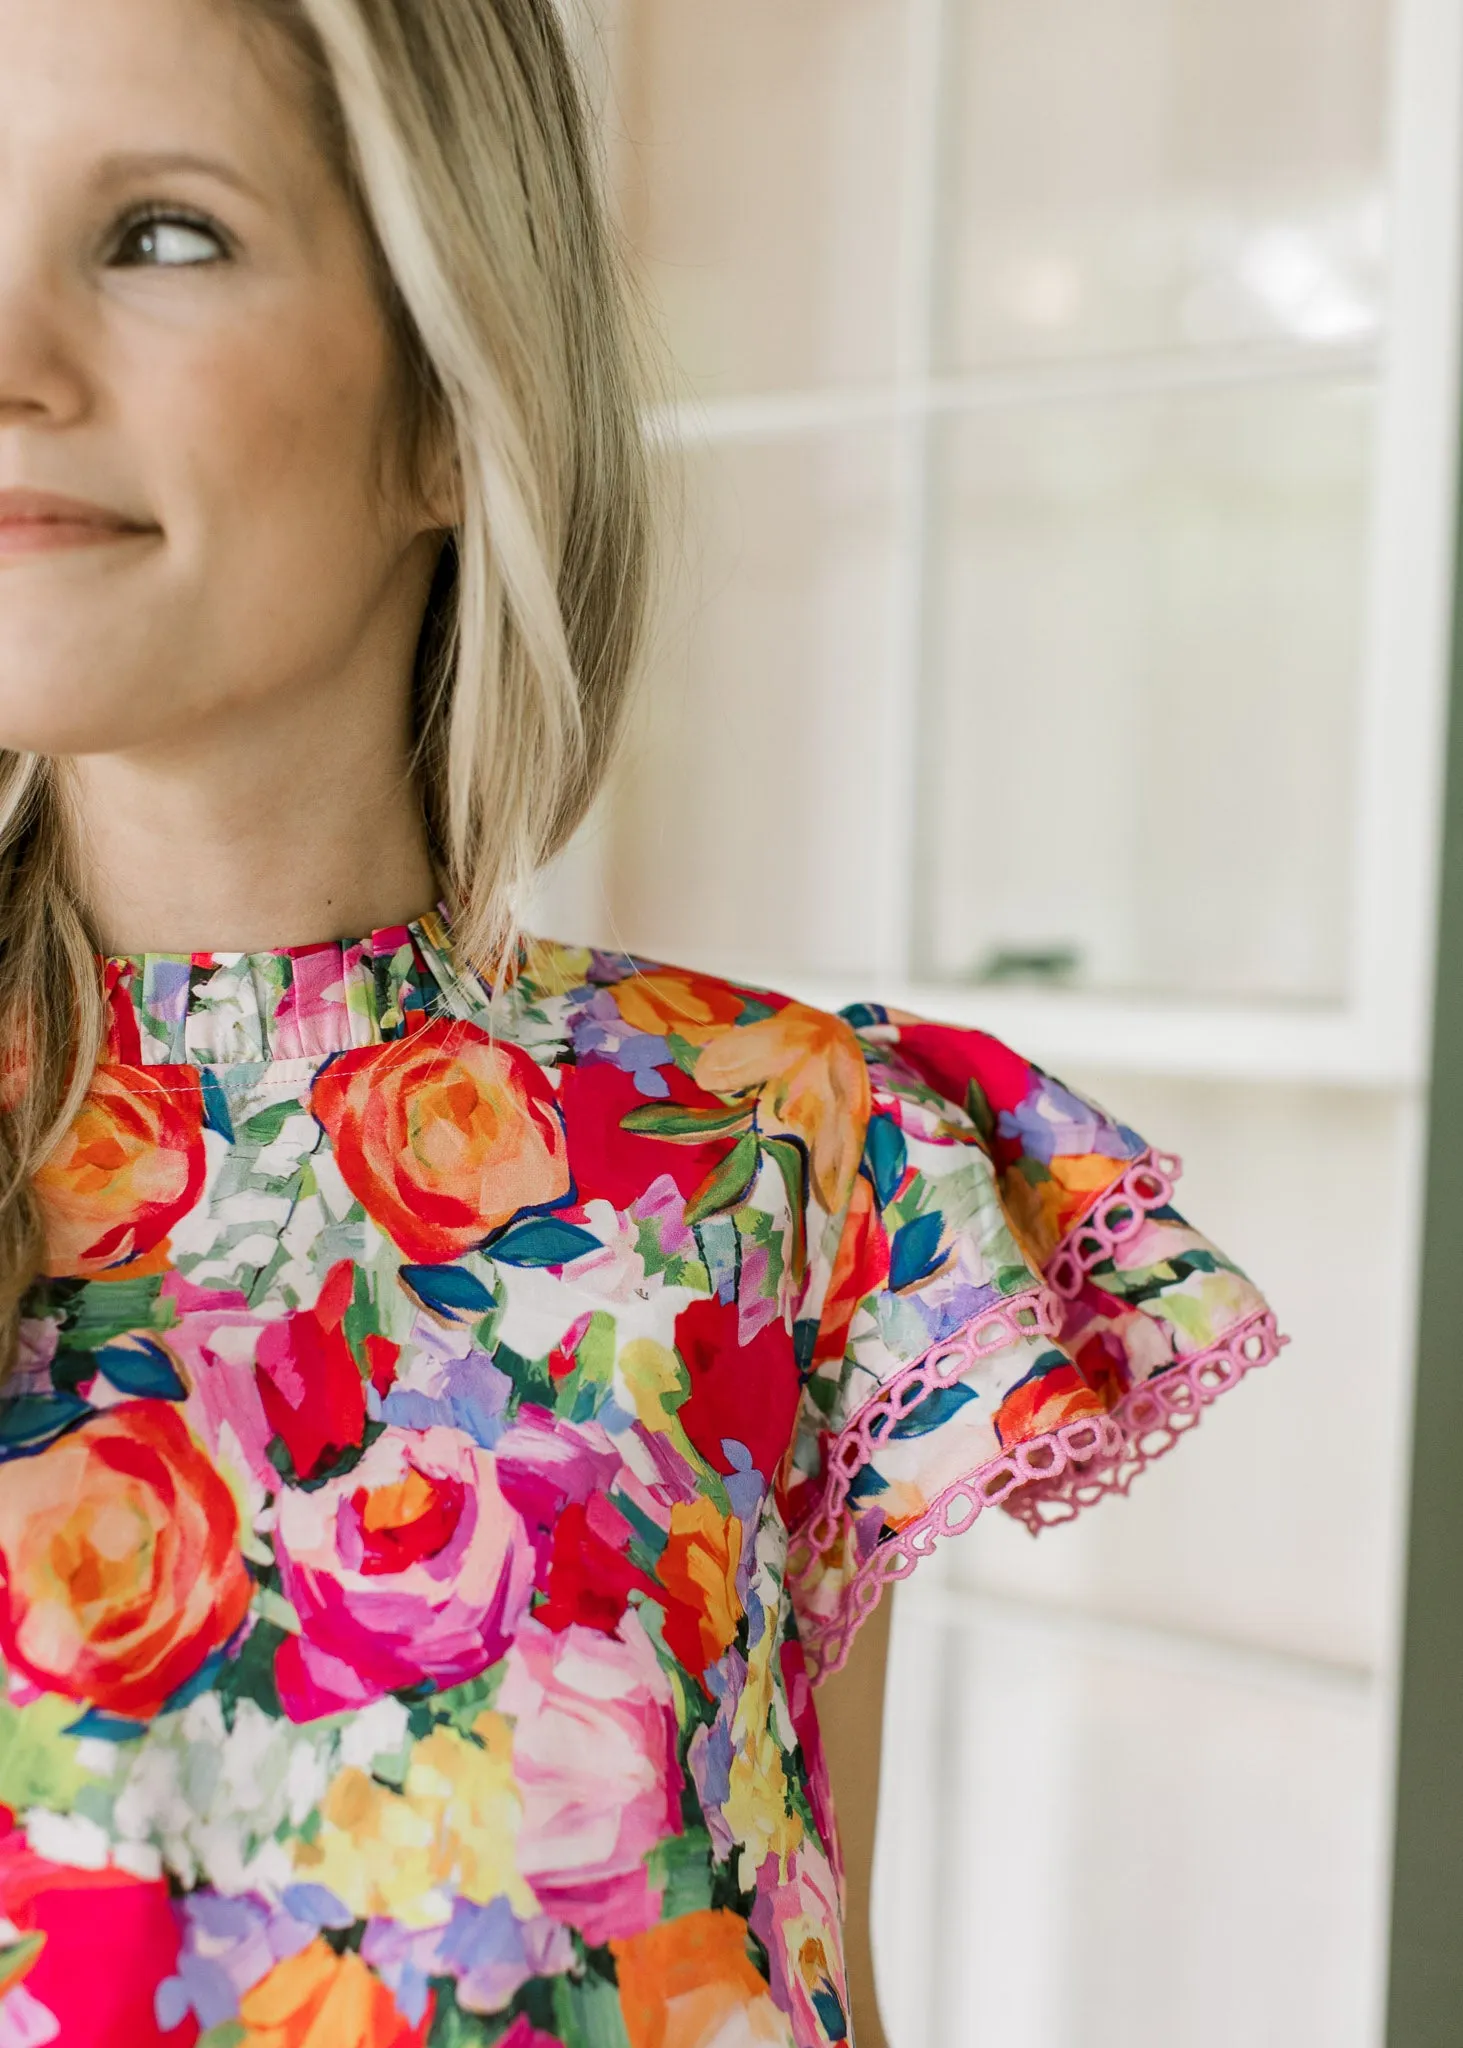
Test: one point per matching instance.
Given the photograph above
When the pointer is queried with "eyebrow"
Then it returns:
(118, 168)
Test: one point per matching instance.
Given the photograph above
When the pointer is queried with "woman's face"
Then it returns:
(197, 384)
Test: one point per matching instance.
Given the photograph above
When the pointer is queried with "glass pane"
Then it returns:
(1089, 1794)
(1130, 174)
(744, 825)
(758, 163)
(1147, 623)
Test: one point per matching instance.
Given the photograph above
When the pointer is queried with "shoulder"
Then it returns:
(660, 996)
(796, 1071)
(730, 1032)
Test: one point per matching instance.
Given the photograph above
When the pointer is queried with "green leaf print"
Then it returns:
(595, 1355)
(681, 1868)
(32, 1421)
(532, 1380)
(250, 1674)
(265, 1126)
(38, 1760)
(674, 1120)
(101, 1315)
(16, 1958)
(728, 1184)
(587, 2012)
(543, 1241)
(792, 1163)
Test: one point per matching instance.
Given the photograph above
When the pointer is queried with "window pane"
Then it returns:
(759, 171)
(746, 819)
(1147, 623)
(1130, 1852)
(1130, 174)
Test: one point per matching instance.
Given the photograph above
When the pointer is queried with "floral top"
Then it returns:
(454, 1438)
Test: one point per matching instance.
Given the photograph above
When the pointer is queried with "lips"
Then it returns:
(42, 522)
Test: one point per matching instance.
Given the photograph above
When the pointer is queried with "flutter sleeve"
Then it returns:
(1016, 1316)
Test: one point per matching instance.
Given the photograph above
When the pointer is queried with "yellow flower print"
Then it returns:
(807, 1070)
(657, 1383)
(555, 970)
(453, 1827)
(756, 1808)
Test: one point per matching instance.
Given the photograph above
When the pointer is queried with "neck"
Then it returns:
(261, 831)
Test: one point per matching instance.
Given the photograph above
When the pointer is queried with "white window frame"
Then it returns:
(1377, 1035)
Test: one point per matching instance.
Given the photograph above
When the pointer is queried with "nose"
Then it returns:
(42, 380)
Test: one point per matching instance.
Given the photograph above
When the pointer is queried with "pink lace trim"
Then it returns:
(1114, 1217)
(1054, 1476)
(1034, 1313)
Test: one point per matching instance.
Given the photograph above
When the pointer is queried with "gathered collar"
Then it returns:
(294, 1002)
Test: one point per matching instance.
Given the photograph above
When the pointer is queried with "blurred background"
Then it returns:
(1061, 418)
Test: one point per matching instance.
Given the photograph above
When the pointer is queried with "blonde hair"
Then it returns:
(462, 126)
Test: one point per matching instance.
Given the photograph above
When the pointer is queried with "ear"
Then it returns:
(440, 475)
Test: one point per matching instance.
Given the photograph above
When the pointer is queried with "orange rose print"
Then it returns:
(119, 1564)
(1044, 1402)
(693, 1007)
(808, 1070)
(443, 1136)
(319, 1999)
(860, 1266)
(131, 1166)
(689, 1982)
(698, 1569)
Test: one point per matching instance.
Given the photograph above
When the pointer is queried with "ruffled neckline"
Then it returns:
(293, 1002)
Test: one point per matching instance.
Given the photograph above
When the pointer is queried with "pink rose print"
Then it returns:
(594, 1755)
(410, 1569)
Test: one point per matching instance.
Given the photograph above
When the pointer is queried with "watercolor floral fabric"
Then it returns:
(454, 1436)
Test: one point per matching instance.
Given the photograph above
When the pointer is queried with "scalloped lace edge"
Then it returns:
(1036, 1312)
(1146, 1184)
(1118, 1213)
(1055, 1476)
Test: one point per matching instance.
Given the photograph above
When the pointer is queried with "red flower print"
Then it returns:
(740, 1393)
(522, 2034)
(309, 1382)
(619, 1165)
(119, 1564)
(947, 1058)
(590, 1577)
(1045, 1401)
(131, 1166)
(382, 1355)
(443, 1136)
(104, 1940)
(1104, 1363)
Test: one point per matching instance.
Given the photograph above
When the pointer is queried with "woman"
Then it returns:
(464, 1390)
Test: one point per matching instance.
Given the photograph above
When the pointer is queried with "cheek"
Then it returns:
(275, 440)
(259, 454)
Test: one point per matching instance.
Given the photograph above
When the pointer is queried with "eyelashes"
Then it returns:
(159, 237)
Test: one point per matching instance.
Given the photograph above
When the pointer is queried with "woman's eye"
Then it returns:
(167, 241)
